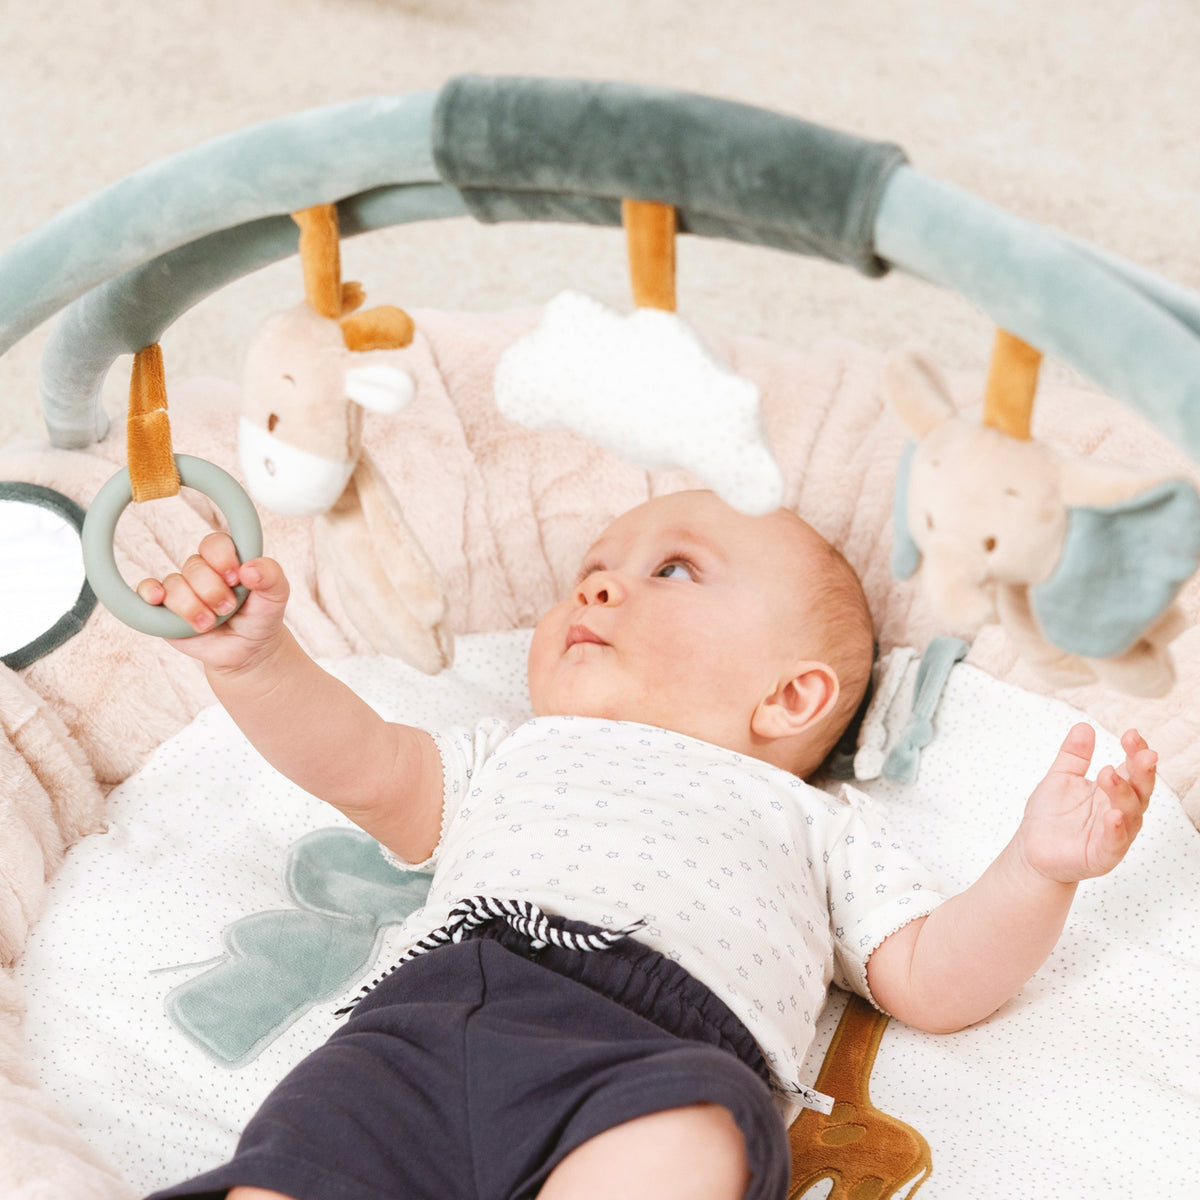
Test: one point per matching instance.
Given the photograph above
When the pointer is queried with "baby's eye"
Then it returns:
(588, 568)
(675, 569)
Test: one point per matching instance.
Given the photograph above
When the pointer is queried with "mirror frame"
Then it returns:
(73, 620)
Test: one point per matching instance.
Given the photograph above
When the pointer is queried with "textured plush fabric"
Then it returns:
(555, 149)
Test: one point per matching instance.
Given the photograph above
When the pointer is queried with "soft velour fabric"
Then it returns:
(524, 149)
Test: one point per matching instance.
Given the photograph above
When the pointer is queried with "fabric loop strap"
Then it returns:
(650, 241)
(152, 470)
(320, 259)
(904, 758)
(1011, 386)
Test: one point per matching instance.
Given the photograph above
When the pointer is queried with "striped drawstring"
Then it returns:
(524, 917)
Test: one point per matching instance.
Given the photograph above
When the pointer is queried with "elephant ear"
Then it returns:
(1121, 567)
(906, 554)
(914, 389)
(917, 393)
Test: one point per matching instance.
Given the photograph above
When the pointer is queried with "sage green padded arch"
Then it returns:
(130, 259)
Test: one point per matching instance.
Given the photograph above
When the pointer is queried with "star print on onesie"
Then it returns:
(763, 887)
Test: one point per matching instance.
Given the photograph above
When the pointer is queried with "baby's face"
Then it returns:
(684, 616)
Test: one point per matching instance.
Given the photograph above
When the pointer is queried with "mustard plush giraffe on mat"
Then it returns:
(868, 1154)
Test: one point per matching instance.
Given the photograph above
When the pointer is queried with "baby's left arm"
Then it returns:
(960, 963)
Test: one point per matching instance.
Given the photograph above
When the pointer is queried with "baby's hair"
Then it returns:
(840, 632)
(851, 640)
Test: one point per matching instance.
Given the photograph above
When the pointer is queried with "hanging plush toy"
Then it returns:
(1080, 562)
(310, 373)
(643, 385)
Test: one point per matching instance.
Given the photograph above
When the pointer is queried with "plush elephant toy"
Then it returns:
(310, 373)
(1079, 562)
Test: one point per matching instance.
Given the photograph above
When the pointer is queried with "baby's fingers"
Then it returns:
(1124, 817)
(265, 577)
(179, 594)
(202, 591)
(152, 591)
(1140, 766)
(1075, 754)
(219, 552)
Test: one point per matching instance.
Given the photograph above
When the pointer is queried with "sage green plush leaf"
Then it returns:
(279, 963)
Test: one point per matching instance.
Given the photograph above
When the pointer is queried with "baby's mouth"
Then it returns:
(580, 633)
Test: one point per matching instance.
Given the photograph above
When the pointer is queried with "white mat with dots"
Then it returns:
(1088, 1084)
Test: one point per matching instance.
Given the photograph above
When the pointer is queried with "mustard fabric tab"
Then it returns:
(320, 259)
(153, 474)
(650, 239)
(1011, 386)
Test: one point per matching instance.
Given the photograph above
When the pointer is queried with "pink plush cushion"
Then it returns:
(505, 513)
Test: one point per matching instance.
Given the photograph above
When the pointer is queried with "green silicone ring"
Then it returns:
(100, 562)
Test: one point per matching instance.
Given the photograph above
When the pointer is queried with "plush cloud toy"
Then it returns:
(645, 387)
(1080, 562)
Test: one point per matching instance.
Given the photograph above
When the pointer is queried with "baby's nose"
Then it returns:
(599, 588)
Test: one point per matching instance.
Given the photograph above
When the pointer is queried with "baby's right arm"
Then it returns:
(387, 778)
(959, 964)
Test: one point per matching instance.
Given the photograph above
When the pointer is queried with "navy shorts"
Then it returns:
(473, 1070)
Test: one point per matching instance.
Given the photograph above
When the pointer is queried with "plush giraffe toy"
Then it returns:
(310, 373)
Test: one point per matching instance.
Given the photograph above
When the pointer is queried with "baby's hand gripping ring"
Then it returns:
(99, 528)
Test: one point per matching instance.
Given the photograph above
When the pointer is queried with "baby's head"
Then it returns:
(749, 632)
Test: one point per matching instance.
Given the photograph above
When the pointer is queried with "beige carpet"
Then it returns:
(1079, 114)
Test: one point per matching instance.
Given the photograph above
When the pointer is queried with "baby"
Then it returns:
(637, 904)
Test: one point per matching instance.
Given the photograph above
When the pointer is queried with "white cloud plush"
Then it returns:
(644, 387)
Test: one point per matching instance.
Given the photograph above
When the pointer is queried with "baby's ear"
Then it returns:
(799, 703)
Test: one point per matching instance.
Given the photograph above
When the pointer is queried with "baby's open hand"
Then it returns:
(203, 591)
(1077, 828)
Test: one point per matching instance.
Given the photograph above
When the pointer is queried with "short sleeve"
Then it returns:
(463, 752)
(875, 888)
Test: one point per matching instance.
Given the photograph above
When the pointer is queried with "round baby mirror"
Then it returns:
(44, 596)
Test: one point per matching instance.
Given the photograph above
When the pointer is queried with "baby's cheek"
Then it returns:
(536, 673)
(538, 684)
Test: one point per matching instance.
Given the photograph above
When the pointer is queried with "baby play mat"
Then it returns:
(154, 873)
(218, 887)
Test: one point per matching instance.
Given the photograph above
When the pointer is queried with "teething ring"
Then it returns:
(99, 529)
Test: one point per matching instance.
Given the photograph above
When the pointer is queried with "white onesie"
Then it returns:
(763, 887)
